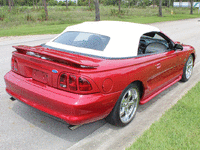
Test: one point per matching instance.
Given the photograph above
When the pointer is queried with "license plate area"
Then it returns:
(39, 76)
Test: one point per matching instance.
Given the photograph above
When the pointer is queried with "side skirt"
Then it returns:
(161, 90)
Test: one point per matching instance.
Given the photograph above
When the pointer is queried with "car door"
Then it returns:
(163, 62)
(163, 70)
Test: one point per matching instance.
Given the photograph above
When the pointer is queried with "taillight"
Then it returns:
(72, 82)
(76, 84)
(63, 80)
(84, 84)
(14, 64)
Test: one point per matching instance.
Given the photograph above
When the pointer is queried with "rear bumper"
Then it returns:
(73, 108)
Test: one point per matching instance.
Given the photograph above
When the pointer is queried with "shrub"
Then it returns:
(52, 3)
(2, 16)
(110, 2)
(115, 12)
(61, 3)
(42, 16)
(70, 3)
(84, 2)
(29, 17)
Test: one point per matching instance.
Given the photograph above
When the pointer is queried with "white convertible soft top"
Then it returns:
(124, 38)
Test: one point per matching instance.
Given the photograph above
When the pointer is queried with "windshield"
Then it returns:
(84, 40)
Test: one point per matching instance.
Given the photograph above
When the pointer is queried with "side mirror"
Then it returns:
(178, 46)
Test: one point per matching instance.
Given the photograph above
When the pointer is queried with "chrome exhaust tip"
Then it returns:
(73, 127)
(12, 99)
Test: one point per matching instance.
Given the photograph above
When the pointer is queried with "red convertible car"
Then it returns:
(97, 70)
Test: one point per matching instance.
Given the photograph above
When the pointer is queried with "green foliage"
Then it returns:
(29, 17)
(24, 2)
(109, 2)
(115, 12)
(42, 16)
(52, 3)
(2, 16)
(70, 3)
(84, 2)
(61, 3)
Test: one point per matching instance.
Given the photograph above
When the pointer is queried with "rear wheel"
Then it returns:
(188, 68)
(126, 106)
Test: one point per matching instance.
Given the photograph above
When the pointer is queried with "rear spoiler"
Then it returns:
(82, 61)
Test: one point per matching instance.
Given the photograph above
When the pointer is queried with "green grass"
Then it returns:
(177, 129)
(33, 30)
(28, 21)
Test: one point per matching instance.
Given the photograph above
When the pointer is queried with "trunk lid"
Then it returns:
(44, 65)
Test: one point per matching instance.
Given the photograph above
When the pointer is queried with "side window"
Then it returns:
(151, 43)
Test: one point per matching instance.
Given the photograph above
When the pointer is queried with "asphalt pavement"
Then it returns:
(23, 127)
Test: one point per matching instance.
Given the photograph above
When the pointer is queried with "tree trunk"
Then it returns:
(89, 3)
(119, 6)
(191, 8)
(66, 4)
(12, 3)
(36, 4)
(97, 12)
(153, 3)
(9, 3)
(45, 9)
(160, 8)
(169, 3)
(33, 4)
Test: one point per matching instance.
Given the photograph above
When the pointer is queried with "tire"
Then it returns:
(187, 70)
(125, 109)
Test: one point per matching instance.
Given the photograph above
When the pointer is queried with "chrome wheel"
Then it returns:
(129, 104)
(189, 67)
(126, 107)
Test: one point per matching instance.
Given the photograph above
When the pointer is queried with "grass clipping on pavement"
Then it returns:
(178, 128)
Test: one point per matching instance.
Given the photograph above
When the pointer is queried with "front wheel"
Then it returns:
(126, 106)
(188, 68)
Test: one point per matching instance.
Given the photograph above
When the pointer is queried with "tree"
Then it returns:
(119, 6)
(153, 3)
(97, 12)
(36, 4)
(191, 8)
(160, 8)
(12, 3)
(33, 4)
(9, 3)
(168, 3)
(89, 3)
(45, 9)
(66, 4)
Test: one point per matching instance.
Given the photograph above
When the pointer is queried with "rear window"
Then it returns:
(84, 40)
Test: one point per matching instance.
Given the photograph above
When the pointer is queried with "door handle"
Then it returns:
(158, 65)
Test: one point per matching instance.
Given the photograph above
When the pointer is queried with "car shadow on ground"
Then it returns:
(39, 119)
